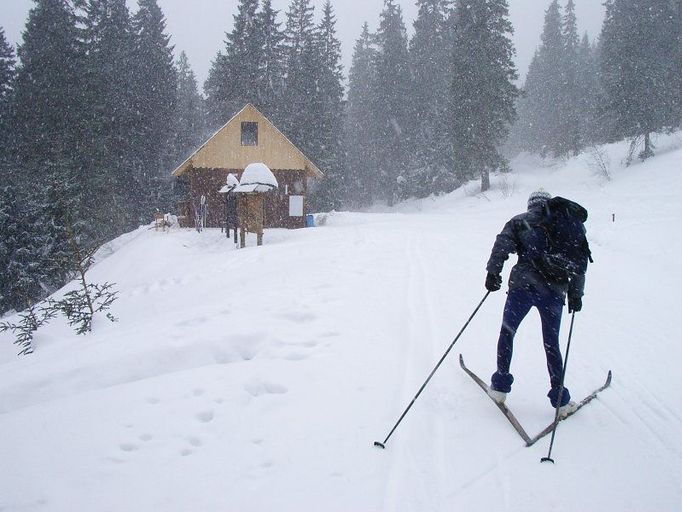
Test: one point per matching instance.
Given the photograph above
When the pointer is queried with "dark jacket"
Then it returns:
(524, 236)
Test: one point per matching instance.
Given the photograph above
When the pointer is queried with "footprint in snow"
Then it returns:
(205, 416)
(299, 317)
(257, 388)
(128, 447)
(295, 356)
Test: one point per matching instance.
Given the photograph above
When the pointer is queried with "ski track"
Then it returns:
(421, 440)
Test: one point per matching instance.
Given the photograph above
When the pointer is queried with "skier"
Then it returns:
(529, 286)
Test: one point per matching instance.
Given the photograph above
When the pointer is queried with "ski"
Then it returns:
(548, 429)
(505, 410)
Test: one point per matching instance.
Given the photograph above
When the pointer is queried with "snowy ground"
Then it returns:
(258, 379)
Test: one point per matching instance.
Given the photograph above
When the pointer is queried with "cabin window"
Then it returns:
(249, 133)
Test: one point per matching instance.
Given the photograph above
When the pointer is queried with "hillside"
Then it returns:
(257, 379)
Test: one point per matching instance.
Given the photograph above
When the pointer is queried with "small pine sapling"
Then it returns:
(29, 322)
(80, 305)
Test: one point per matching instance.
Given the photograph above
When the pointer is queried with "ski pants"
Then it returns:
(550, 306)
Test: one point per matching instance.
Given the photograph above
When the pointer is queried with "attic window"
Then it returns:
(249, 134)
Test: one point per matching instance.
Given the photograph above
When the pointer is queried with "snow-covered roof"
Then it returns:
(257, 177)
(231, 183)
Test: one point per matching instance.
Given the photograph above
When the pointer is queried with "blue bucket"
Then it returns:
(309, 221)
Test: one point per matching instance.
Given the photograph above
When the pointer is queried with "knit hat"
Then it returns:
(538, 198)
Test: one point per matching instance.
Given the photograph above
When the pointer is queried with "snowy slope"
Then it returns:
(258, 379)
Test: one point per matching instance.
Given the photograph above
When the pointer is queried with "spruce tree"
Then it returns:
(588, 91)
(430, 50)
(110, 147)
(271, 61)
(360, 124)
(330, 121)
(571, 125)
(236, 70)
(640, 55)
(301, 98)
(19, 264)
(544, 102)
(483, 94)
(217, 110)
(188, 125)
(7, 63)
(392, 88)
(155, 94)
(47, 118)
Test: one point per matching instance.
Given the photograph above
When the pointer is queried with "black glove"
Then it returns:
(575, 304)
(493, 282)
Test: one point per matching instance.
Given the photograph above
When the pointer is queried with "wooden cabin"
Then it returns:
(247, 138)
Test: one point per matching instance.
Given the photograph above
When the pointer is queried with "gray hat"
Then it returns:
(538, 198)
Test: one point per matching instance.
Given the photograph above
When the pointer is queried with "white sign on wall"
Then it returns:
(295, 206)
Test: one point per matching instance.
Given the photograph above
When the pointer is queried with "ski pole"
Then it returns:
(561, 395)
(383, 444)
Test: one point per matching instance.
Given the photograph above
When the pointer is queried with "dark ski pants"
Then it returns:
(550, 306)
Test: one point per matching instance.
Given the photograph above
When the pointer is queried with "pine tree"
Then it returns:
(301, 98)
(430, 50)
(392, 87)
(542, 104)
(7, 63)
(110, 147)
(155, 94)
(571, 125)
(47, 118)
(188, 120)
(271, 61)
(640, 56)
(19, 261)
(360, 128)
(588, 91)
(330, 120)
(483, 93)
(235, 73)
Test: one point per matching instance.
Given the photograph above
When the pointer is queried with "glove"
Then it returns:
(493, 282)
(575, 304)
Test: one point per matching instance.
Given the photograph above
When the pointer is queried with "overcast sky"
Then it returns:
(198, 26)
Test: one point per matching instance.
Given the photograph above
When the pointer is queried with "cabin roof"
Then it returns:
(223, 150)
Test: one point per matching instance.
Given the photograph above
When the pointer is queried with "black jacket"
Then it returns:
(524, 236)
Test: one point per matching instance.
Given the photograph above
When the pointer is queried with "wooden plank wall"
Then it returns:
(209, 181)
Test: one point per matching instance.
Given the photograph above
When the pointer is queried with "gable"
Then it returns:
(225, 149)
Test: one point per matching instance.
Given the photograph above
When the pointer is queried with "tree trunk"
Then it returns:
(648, 147)
(485, 180)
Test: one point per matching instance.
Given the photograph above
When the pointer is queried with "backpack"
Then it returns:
(567, 251)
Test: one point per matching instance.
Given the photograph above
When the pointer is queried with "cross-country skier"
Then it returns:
(527, 236)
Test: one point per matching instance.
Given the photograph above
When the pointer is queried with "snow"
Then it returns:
(230, 183)
(257, 177)
(257, 379)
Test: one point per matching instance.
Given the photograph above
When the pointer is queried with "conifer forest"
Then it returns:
(97, 107)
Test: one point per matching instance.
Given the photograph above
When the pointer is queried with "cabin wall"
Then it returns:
(277, 203)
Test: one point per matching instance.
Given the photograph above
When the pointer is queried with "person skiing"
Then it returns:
(530, 285)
